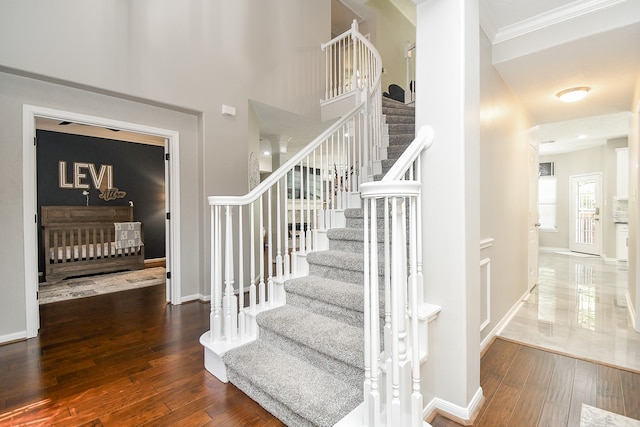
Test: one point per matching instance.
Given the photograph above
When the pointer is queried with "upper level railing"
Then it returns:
(404, 346)
(351, 64)
(260, 239)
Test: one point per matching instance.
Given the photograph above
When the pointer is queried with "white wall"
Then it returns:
(189, 56)
(504, 199)
(634, 185)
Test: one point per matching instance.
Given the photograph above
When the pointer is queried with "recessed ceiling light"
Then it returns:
(574, 94)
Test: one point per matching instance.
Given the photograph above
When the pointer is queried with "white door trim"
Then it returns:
(29, 192)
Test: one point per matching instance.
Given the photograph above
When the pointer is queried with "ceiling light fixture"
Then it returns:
(574, 94)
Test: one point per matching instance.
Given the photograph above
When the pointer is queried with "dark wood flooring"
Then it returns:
(129, 359)
(120, 359)
(524, 386)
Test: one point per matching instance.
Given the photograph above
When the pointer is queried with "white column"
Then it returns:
(447, 76)
(279, 147)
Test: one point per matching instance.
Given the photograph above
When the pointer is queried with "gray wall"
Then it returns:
(504, 178)
(122, 60)
(598, 159)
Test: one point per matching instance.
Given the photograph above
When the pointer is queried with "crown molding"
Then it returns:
(551, 17)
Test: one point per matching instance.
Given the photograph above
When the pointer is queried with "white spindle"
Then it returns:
(229, 292)
(394, 412)
(241, 319)
(308, 213)
(302, 239)
(416, 395)
(252, 245)
(270, 248)
(369, 413)
(261, 285)
(294, 248)
(285, 219)
(216, 283)
(374, 314)
(279, 272)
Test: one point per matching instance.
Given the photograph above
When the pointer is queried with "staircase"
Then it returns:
(400, 120)
(307, 365)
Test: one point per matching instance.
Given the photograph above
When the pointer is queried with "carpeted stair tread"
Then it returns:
(341, 294)
(320, 333)
(337, 259)
(398, 127)
(353, 213)
(391, 118)
(400, 138)
(308, 392)
(351, 234)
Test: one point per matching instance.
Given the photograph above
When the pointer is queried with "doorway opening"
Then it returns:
(32, 115)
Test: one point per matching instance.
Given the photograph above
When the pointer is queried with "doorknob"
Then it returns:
(537, 224)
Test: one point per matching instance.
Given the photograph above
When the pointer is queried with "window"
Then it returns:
(547, 202)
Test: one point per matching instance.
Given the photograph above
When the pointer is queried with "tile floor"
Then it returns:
(579, 308)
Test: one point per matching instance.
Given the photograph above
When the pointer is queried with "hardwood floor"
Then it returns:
(121, 359)
(129, 359)
(525, 386)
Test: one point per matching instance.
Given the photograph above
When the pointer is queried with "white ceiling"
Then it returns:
(544, 46)
(541, 47)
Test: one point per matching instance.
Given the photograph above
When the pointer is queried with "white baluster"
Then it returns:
(302, 239)
(294, 249)
(394, 411)
(315, 204)
(252, 233)
(269, 266)
(286, 257)
(261, 285)
(241, 320)
(229, 305)
(416, 395)
(308, 217)
(216, 282)
(279, 272)
(369, 412)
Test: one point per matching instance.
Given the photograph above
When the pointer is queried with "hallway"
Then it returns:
(579, 309)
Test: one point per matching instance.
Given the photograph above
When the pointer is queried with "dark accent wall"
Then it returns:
(137, 170)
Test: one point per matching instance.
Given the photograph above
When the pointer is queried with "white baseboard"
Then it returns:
(550, 249)
(452, 409)
(13, 337)
(194, 297)
(504, 321)
(632, 310)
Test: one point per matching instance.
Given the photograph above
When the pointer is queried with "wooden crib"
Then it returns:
(81, 240)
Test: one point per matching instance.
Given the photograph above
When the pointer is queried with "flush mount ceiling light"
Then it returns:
(574, 94)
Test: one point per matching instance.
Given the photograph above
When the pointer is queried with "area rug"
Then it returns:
(596, 417)
(98, 284)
